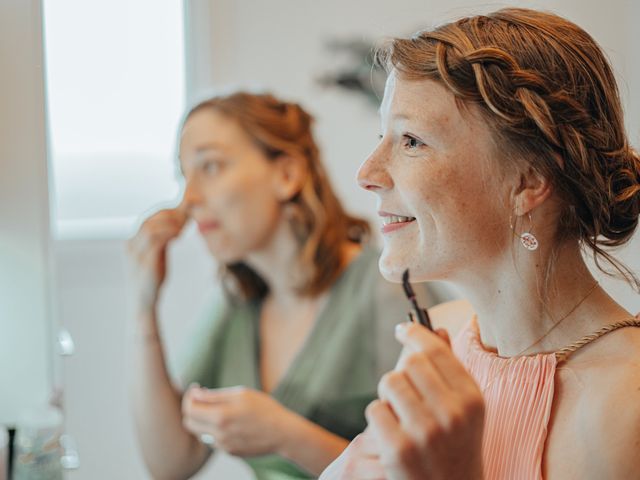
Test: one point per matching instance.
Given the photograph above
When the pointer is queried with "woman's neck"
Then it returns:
(524, 310)
(278, 263)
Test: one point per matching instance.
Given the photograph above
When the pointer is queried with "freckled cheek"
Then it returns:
(451, 201)
(427, 191)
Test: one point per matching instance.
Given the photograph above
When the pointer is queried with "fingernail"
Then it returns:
(401, 328)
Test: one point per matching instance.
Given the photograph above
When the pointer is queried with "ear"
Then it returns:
(290, 175)
(533, 191)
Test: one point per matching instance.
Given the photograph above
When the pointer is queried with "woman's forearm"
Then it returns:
(168, 449)
(309, 445)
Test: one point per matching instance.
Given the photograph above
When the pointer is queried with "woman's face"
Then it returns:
(231, 187)
(443, 200)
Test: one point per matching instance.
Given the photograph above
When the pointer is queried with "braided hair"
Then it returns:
(549, 94)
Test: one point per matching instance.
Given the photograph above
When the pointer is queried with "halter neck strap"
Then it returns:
(563, 354)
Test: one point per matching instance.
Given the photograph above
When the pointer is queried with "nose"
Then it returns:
(192, 195)
(373, 174)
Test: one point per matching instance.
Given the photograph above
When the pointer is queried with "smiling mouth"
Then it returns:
(395, 219)
(391, 223)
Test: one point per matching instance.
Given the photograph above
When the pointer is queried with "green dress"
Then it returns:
(336, 372)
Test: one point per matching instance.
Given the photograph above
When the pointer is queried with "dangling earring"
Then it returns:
(295, 217)
(528, 239)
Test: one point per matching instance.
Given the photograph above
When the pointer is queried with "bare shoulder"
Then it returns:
(617, 396)
(452, 316)
(615, 420)
(599, 397)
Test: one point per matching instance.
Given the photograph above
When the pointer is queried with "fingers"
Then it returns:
(429, 406)
(214, 419)
(217, 415)
(196, 427)
(364, 461)
(366, 444)
(418, 339)
(365, 469)
(220, 395)
(158, 229)
(420, 418)
(443, 334)
(382, 422)
(183, 208)
(147, 252)
(168, 217)
(424, 403)
(195, 424)
(215, 406)
(398, 449)
(431, 384)
(394, 388)
(417, 393)
(430, 390)
(357, 462)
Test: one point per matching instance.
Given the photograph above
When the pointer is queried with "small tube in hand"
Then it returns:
(420, 313)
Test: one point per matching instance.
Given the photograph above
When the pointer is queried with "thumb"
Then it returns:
(443, 334)
(182, 208)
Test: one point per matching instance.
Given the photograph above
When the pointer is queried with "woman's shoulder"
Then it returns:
(599, 392)
(605, 367)
(610, 418)
(617, 350)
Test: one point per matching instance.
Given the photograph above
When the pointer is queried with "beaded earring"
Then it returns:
(528, 239)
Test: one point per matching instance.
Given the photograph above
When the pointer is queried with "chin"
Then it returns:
(392, 265)
(401, 251)
(225, 254)
(392, 268)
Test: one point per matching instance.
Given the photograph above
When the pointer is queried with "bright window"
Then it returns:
(115, 89)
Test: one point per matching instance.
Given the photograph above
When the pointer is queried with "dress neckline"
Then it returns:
(310, 347)
(560, 355)
(479, 348)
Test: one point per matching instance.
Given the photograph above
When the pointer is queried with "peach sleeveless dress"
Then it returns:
(518, 396)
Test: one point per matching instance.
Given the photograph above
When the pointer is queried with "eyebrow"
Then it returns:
(209, 146)
(204, 147)
(400, 116)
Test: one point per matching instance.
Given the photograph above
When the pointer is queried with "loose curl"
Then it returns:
(550, 96)
(316, 216)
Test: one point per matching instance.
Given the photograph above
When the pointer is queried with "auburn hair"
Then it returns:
(550, 97)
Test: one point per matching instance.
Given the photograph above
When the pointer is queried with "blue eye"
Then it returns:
(411, 142)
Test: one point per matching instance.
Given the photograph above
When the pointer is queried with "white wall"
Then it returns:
(26, 367)
(278, 45)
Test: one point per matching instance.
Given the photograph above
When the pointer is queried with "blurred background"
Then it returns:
(92, 95)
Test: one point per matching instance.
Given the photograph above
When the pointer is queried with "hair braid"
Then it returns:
(549, 94)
